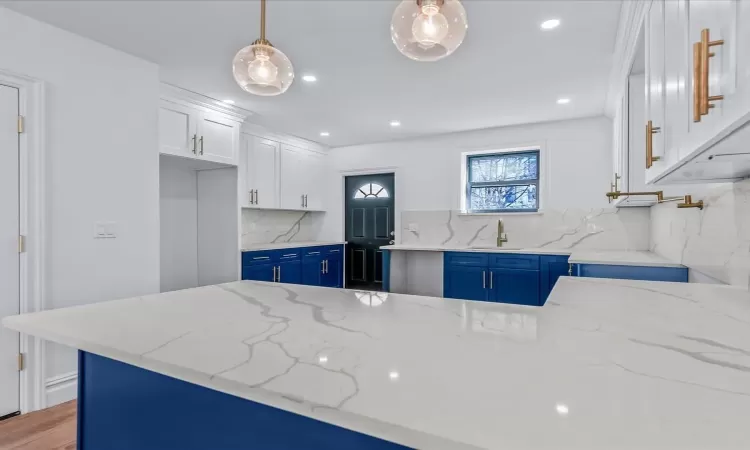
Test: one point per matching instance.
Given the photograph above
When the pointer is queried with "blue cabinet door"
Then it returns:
(333, 276)
(289, 272)
(258, 272)
(553, 267)
(466, 282)
(520, 287)
(312, 270)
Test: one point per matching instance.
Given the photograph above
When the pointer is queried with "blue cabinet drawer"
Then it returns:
(312, 251)
(259, 257)
(514, 261)
(465, 259)
(288, 254)
(333, 249)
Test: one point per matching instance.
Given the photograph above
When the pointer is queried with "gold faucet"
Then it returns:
(688, 203)
(614, 195)
(501, 237)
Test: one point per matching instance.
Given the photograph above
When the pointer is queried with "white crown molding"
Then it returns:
(177, 94)
(632, 15)
(263, 132)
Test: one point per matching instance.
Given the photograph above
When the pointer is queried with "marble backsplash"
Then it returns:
(714, 241)
(598, 228)
(263, 226)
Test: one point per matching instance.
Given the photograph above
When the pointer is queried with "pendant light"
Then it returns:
(260, 68)
(428, 30)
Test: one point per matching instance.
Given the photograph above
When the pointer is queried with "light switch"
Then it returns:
(105, 230)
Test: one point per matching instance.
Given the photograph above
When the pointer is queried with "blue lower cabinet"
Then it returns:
(466, 282)
(552, 268)
(156, 412)
(675, 274)
(334, 273)
(289, 272)
(312, 270)
(313, 266)
(259, 272)
(516, 286)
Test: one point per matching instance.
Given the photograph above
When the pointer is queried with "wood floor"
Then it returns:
(51, 429)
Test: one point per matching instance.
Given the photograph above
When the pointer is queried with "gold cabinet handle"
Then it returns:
(697, 50)
(706, 44)
(650, 131)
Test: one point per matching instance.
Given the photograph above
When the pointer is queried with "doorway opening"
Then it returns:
(10, 249)
(369, 224)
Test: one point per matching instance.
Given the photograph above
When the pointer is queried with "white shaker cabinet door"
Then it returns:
(654, 82)
(314, 179)
(719, 18)
(219, 139)
(178, 130)
(262, 172)
(678, 79)
(293, 174)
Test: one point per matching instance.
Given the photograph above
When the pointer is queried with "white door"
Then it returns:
(678, 76)
(262, 172)
(292, 177)
(218, 139)
(178, 130)
(9, 262)
(654, 108)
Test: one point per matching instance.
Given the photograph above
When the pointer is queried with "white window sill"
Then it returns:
(520, 213)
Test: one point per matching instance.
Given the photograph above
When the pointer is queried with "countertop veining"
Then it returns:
(605, 364)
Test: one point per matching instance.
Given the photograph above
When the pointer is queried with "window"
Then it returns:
(371, 190)
(503, 182)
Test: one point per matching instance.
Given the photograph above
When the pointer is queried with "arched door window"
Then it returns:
(371, 190)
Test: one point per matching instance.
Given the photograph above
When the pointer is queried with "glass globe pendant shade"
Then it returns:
(261, 69)
(428, 30)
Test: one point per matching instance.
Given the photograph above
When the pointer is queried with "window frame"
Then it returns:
(511, 152)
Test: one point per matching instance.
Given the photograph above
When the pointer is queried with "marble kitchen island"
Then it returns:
(605, 364)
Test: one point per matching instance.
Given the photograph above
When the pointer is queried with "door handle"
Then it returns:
(303, 200)
(195, 144)
(256, 196)
(201, 139)
(252, 197)
(326, 266)
(570, 269)
(391, 242)
(491, 279)
(274, 274)
(484, 280)
(278, 272)
(322, 266)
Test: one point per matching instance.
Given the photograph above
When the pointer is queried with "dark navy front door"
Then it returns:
(369, 225)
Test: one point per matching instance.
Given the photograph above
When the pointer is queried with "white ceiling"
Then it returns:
(508, 71)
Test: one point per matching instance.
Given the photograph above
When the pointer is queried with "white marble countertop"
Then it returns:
(621, 258)
(605, 364)
(280, 245)
(448, 248)
(606, 257)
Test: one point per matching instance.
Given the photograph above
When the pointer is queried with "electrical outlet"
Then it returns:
(105, 230)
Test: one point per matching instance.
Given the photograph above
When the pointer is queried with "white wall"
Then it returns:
(179, 226)
(577, 155)
(102, 165)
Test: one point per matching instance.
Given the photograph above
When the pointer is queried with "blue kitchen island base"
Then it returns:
(123, 407)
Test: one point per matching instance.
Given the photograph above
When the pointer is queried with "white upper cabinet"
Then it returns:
(261, 173)
(281, 176)
(698, 89)
(218, 138)
(655, 87)
(196, 132)
(178, 127)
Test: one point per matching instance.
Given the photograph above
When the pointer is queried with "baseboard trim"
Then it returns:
(61, 388)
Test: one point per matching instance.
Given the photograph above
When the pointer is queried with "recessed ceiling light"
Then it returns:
(228, 102)
(325, 133)
(395, 123)
(550, 24)
(563, 101)
(309, 78)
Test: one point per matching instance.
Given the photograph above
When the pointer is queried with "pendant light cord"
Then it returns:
(263, 20)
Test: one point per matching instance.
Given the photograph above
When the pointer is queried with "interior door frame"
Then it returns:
(32, 143)
(396, 171)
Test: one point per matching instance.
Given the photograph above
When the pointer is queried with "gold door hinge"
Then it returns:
(21, 244)
(21, 361)
(21, 124)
